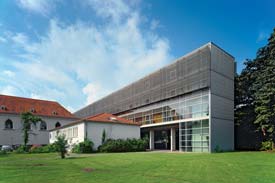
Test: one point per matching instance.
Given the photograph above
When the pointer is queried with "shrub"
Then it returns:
(120, 145)
(35, 148)
(267, 146)
(43, 149)
(83, 147)
(3, 152)
(50, 148)
(218, 149)
(21, 149)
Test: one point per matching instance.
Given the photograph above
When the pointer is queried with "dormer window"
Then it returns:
(54, 113)
(32, 110)
(3, 107)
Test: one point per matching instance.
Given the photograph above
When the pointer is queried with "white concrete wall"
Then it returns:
(113, 131)
(222, 100)
(73, 138)
(15, 136)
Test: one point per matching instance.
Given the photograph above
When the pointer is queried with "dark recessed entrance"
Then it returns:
(162, 137)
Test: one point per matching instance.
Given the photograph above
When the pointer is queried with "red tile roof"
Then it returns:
(17, 105)
(102, 118)
(109, 118)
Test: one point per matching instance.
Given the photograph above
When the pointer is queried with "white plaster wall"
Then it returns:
(15, 135)
(113, 131)
(72, 140)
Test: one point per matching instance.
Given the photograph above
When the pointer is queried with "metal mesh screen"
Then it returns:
(187, 74)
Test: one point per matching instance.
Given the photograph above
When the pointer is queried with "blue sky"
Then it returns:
(76, 52)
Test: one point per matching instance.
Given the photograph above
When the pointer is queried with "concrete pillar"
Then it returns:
(173, 139)
(152, 140)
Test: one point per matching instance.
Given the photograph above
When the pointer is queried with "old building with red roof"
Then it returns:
(52, 113)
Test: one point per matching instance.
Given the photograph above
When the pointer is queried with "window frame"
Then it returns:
(43, 122)
(10, 124)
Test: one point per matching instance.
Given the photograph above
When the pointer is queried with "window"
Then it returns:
(70, 133)
(194, 136)
(57, 124)
(43, 126)
(75, 132)
(9, 124)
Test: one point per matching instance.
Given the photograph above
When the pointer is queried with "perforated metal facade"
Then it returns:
(187, 74)
(193, 98)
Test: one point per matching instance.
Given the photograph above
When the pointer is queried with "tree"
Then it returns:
(255, 91)
(61, 145)
(28, 119)
(103, 138)
(264, 88)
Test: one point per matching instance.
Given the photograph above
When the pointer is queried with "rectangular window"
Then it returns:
(194, 105)
(75, 132)
(194, 136)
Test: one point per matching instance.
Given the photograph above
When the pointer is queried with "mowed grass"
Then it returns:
(139, 168)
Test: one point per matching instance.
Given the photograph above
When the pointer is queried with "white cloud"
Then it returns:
(93, 92)
(20, 38)
(154, 24)
(37, 96)
(72, 60)
(70, 108)
(8, 73)
(8, 90)
(115, 9)
(3, 40)
(39, 6)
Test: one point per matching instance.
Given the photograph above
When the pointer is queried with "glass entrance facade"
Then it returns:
(194, 136)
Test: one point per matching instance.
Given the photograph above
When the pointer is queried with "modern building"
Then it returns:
(93, 127)
(52, 114)
(187, 105)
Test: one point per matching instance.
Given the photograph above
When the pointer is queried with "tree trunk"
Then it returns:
(26, 139)
(62, 155)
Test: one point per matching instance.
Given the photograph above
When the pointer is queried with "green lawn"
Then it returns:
(140, 168)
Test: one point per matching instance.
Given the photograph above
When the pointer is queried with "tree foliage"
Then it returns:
(61, 145)
(255, 91)
(28, 119)
(103, 138)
